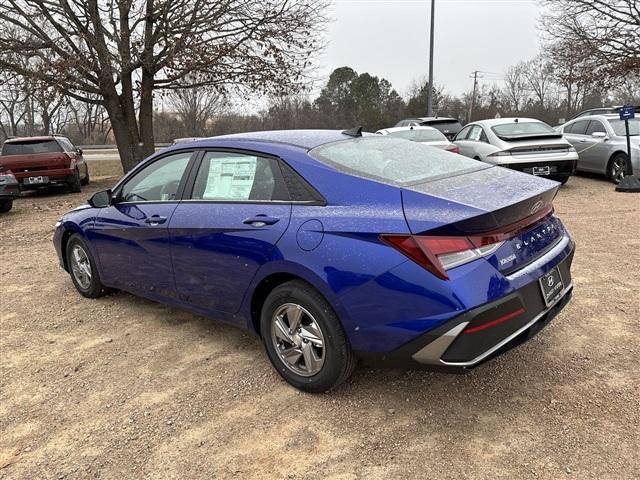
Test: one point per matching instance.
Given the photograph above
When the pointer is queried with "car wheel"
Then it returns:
(617, 167)
(82, 268)
(6, 206)
(85, 180)
(75, 185)
(304, 338)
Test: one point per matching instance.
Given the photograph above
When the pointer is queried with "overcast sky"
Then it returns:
(390, 39)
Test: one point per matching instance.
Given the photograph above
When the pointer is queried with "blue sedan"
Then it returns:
(332, 247)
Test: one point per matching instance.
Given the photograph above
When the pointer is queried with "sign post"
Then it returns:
(629, 183)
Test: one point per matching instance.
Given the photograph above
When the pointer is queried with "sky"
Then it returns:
(390, 39)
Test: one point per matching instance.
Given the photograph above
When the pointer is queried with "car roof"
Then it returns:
(41, 138)
(501, 121)
(306, 139)
(431, 119)
(414, 127)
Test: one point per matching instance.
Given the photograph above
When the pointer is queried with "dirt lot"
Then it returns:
(123, 388)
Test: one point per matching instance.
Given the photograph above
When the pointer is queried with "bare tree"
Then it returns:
(538, 73)
(118, 52)
(515, 86)
(196, 108)
(608, 30)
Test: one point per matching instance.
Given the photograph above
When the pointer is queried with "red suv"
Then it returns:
(43, 161)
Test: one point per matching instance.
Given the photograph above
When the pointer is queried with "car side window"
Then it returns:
(475, 133)
(595, 126)
(580, 127)
(66, 145)
(483, 136)
(462, 134)
(228, 176)
(158, 181)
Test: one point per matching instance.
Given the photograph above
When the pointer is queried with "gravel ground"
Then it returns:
(124, 388)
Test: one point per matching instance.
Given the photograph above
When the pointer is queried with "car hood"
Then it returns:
(476, 201)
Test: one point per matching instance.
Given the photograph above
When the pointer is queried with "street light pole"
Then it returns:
(430, 91)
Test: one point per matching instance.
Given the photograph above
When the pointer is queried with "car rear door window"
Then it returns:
(158, 181)
(238, 177)
(595, 126)
(579, 127)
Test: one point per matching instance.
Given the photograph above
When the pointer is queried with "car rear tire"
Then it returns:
(6, 206)
(617, 167)
(304, 339)
(86, 179)
(82, 268)
(75, 185)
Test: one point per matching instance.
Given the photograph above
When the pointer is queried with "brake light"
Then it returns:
(452, 148)
(437, 254)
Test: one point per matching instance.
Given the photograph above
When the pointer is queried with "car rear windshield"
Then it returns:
(420, 135)
(523, 129)
(30, 147)
(619, 129)
(394, 161)
(445, 126)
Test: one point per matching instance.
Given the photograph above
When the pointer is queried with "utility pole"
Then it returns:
(430, 91)
(473, 96)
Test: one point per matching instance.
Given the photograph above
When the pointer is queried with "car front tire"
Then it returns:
(6, 206)
(86, 179)
(82, 268)
(616, 169)
(304, 338)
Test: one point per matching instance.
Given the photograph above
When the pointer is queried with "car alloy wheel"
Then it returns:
(618, 168)
(298, 339)
(81, 267)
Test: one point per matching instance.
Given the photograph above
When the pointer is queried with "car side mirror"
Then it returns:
(79, 150)
(599, 135)
(101, 199)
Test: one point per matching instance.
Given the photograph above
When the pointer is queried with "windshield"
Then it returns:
(420, 135)
(30, 147)
(522, 128)
(618, 126)
(394, 161)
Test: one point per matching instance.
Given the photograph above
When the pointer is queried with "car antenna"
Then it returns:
(353, 132)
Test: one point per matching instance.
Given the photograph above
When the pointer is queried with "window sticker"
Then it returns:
(230, 178)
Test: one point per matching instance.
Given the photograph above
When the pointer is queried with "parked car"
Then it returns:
(427, 135)
(601, 143)
(9, 190)
(523, 144)
(43, 161)
(448, 126)
(331, 247)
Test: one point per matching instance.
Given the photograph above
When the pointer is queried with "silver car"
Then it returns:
(427, 135)
(523, 144)
(601, 143)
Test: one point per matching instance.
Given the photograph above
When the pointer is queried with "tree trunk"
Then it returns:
(127, 143)
(146, 113)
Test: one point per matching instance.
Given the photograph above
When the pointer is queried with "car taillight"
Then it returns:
(437, 254)
(452, 149)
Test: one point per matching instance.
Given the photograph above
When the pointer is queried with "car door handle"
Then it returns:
(261, 221)
(155, 220)
(583, 140)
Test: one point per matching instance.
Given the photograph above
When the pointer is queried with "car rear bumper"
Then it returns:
(557, 168)
(455, 347)
(60, 176)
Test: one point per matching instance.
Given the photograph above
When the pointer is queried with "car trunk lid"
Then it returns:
(34, 162)
(510, 206)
